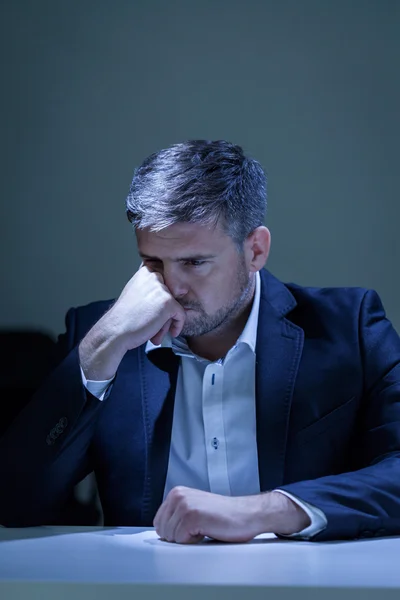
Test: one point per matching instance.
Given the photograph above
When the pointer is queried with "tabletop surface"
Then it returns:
(135, 555)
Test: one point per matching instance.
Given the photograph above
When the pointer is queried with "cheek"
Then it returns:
(212, 291)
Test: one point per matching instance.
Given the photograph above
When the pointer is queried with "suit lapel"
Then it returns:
(158, 375)
(278, 352)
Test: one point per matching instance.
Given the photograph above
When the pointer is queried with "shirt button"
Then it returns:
(215, 443)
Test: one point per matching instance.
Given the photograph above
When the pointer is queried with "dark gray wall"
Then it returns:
(89, 88)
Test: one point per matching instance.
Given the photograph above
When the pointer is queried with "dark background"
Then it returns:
(89, 88)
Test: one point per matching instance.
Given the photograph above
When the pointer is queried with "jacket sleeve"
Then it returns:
(45, 451)
(366, 501)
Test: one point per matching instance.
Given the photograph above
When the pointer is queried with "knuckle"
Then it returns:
(178, 492)
(165, 301)
(156, 275)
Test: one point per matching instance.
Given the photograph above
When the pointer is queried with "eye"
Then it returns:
(195, 263)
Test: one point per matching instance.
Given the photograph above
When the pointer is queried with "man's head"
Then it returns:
(199, 182)
(198, 210)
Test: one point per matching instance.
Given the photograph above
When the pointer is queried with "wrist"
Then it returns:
(280, 515)
(100, 354)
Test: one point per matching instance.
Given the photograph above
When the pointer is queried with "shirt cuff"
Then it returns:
(317, 518)
(96, 388)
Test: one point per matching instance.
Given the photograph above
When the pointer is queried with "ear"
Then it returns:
(256, 248)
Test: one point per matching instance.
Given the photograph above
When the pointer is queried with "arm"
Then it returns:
(360, 503)
(45, 452)
(316, 518)
(366, 501)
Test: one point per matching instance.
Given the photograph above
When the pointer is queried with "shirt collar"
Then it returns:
(248, 335)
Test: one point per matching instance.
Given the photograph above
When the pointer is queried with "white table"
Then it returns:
(95, 563)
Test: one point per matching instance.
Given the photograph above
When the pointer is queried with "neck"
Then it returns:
(217, 343)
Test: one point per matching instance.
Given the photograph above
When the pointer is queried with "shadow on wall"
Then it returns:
(26, 358)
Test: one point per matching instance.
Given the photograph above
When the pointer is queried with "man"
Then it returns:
(210, 398)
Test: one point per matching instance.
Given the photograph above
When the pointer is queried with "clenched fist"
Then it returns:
(145, 310)
(188, 515)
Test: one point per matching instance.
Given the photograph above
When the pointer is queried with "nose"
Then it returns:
(175, 283)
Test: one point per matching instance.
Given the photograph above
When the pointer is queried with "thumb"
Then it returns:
(159, 336)
(177, 321)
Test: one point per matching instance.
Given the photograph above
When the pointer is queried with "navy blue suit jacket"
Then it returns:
(327, 406)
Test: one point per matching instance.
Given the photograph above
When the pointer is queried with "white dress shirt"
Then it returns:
(213, 442)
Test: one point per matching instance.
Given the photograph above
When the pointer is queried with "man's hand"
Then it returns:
(188, 515)
(144, 311)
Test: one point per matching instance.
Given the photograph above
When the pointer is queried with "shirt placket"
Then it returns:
(214, 434)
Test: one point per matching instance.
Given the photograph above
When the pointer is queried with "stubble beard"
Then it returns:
(204, 323)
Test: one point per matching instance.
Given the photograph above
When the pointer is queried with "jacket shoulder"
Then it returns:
(327, 296)
(294, 298)
(326, 307)
(80, 319)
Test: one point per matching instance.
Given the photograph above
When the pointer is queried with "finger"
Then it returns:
(163, 516)
(177, 529)
(153, 271)
(158, 338)
(183, 525)
(175, 328)
(177, 323)
(158, 517)
(158, 521)
(183, 535)
(171, 524)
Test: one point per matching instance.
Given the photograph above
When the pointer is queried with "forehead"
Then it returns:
(181, 238)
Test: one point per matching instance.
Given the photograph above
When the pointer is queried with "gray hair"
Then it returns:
(199, 181)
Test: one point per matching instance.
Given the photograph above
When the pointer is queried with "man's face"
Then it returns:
(203, 270)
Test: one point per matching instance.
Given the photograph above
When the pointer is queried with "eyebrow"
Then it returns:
(180, 259)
